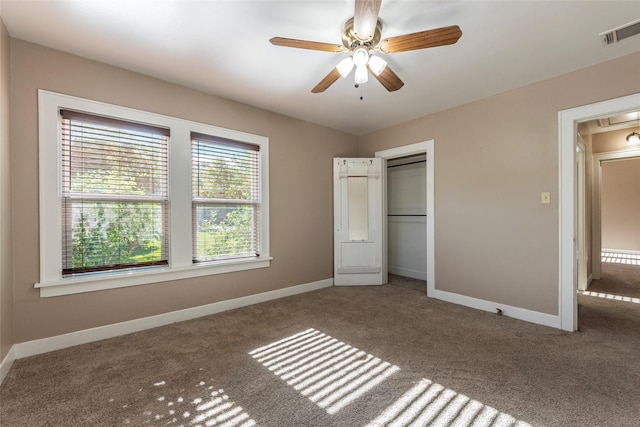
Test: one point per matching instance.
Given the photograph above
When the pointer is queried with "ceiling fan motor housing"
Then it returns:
(351, 42)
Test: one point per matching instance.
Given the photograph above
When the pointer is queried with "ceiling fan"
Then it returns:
(362, 35)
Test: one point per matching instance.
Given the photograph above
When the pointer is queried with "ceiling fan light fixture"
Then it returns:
(633, 138)
(377, 64)
(345, 66)
(360, 57)
(361, 35)
(362, 75)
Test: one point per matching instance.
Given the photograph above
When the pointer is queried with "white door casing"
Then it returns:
(567, 120)
(427, 147)
(358, 226)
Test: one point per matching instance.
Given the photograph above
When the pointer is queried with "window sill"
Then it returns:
(121, 279)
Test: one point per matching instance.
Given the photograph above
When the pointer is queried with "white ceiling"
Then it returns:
(222, 48)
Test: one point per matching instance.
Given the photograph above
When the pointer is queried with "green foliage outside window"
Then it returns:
(229, 236)
(225, 229)
(108, 234)
(113, 199)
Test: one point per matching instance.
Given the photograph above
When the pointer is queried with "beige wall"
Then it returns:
(608, 142)
(6, 273)
(621, 204)
(494, 240)
(300, 188)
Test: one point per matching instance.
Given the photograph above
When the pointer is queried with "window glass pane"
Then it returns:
(114, 187)
(222, 171)
(225, 231)
(114, 234)
(226, 199)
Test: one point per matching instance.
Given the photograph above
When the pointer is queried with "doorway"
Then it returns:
(616, 269)
(568, 121)
(406, 216)
(600, 161)
(610, 304)
(425, 149)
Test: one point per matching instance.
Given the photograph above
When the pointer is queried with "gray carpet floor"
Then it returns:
(618, 279)
(343, 356)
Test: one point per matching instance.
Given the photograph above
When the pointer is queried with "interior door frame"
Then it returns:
(568, 130)
(425, 147)
(596, 206)
(581, 211)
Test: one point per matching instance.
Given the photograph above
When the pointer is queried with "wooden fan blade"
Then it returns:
(327, 81)
(388, 79)
(420, 40)
(365, 19)
(304, 44)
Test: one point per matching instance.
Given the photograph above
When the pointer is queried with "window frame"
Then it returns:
(73, 142)
(181, 266)
(220, 147)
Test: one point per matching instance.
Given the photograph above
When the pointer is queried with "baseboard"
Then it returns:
(589, 280)
(507, 310)
(31, 348)
(407, 272)
(6, 363)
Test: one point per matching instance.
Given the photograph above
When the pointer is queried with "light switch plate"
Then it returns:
(545, 197)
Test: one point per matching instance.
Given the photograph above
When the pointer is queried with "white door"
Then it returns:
(357, 218)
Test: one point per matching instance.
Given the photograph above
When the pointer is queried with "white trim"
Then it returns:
(506, 310)
(124, 278)
(427, 147)
(567, 131)
(6, 363)
(51, 282)
(31, 348)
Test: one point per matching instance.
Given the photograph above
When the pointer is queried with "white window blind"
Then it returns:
(114, 194)
(226, 198)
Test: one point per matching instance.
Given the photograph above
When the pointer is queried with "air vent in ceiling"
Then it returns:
(620, 33)
(620, 121)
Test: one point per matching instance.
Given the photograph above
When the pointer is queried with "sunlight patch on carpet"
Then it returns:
(203, 406)
(429, 403)
(611, 297)
(328, 372)
(333, 374)
(620, 258)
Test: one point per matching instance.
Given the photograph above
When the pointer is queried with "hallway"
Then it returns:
(611, 305)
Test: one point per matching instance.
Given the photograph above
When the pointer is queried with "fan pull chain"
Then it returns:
(361, 96)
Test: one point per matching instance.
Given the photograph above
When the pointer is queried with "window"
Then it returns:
(226, 204)
(129, 197)
(114, 194)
